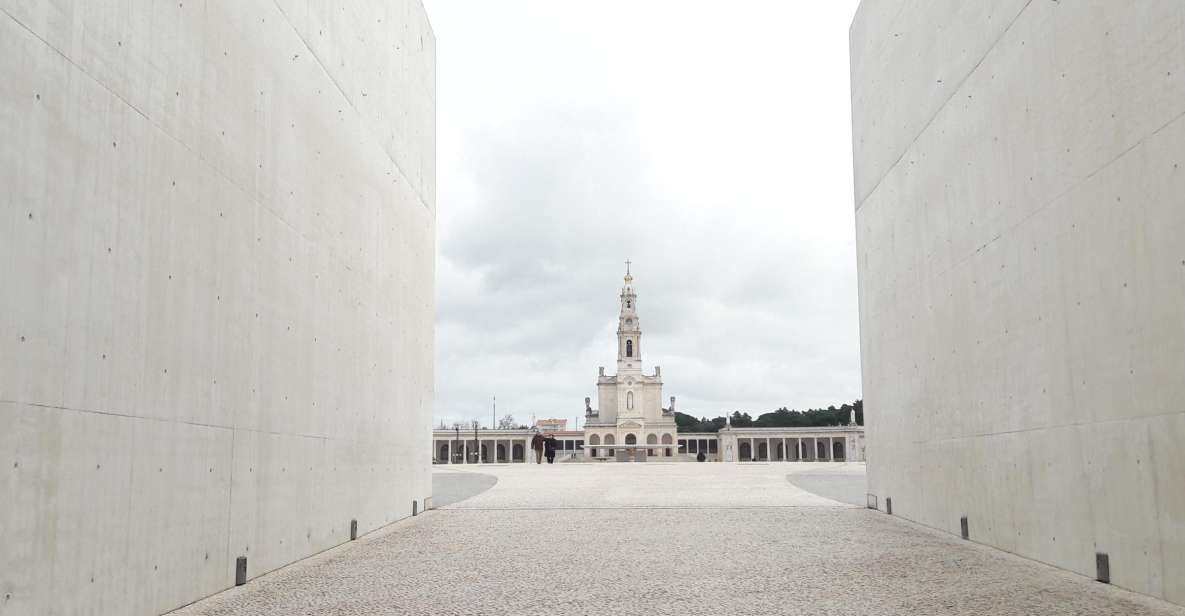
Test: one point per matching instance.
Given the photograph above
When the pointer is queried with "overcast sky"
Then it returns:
(710, 143)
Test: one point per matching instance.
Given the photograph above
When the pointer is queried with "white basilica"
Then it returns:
(630, 425)
(629, 422)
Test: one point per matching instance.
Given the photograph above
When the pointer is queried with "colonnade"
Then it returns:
(792, 449)
(740, 446)
(484, 451)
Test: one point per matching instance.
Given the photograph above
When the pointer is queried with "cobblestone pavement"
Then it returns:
(686, 538)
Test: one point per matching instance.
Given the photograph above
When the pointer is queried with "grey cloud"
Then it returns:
(742, 243)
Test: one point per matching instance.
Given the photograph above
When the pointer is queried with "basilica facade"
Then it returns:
(629, 423)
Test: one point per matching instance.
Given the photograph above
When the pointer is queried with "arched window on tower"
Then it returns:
(629, 348)
(629, 400)
(629, 304)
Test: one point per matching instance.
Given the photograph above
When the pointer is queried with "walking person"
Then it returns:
(537, 446)
(549, 445)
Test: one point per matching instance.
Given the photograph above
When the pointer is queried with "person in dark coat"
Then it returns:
(537, 447)
(549, 445)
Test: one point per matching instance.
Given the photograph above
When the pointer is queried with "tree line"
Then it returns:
(781, 418)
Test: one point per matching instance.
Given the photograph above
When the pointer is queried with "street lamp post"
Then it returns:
(476, 443)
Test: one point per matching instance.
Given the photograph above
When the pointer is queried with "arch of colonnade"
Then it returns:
(743, 447)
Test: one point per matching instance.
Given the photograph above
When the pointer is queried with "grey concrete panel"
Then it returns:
(906, 67)
(216, 250)
(1021, 280)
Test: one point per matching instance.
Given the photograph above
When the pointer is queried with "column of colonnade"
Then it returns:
(465, 448)
(806, 449)
(802, 451)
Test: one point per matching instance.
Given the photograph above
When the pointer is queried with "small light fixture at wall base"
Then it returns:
(1102, 564)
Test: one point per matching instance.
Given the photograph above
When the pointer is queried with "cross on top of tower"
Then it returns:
(628, 277)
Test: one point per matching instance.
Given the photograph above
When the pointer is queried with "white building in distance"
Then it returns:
(629, 415)
(630, 424)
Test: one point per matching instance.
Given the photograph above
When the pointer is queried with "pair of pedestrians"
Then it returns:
(543, 445)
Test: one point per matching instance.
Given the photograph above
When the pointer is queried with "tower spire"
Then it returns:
(629, 330)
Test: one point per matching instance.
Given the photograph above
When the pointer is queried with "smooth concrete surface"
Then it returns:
(216, 290)
(1019, 172)
(667, 538)
(844, 483)
(449, 486)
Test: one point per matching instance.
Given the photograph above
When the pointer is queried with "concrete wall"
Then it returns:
(1020, 168)
(216, 307)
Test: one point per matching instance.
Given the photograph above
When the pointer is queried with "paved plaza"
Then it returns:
(677, 538)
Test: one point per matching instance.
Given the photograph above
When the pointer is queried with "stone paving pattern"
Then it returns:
(666, 539)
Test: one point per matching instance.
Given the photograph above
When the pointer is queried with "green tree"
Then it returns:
(685, 422)
(780, 418)
(741, 420)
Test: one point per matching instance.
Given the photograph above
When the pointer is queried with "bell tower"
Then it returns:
(630, 423)
(629, 330)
